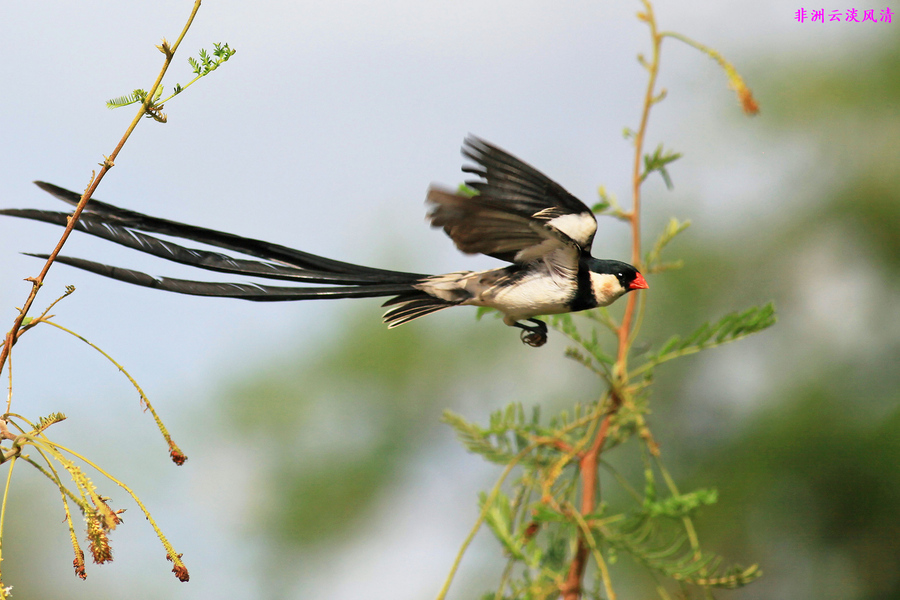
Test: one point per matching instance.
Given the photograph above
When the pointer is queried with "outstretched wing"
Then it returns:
(518, 214)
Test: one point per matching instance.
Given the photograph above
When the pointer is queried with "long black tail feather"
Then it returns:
(242, 291)
(115, 217)
(128, 228)
(99, 226)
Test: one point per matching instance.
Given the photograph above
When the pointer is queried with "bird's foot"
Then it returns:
(535, 339)
(533, 336)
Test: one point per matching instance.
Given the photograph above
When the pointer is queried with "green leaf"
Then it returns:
(683, 504)
(486, 310)
(658, 162)
(592, 345)
(136, 96)
(607, 202)
(499, 518)
(544, 514)
(464, 190)
(663, 546)
(652, 259)
(477, 440)
(729, 328)
(599, 207)
(207, 64)
(506, 436)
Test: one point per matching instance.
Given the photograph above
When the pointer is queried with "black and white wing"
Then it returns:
(518, 214)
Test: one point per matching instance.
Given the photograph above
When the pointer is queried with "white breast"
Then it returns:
(536, 294)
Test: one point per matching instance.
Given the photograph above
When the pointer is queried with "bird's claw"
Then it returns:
(534, 337)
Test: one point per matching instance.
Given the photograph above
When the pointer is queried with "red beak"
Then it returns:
(639, 283)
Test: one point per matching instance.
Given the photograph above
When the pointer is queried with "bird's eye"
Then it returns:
(620, 275)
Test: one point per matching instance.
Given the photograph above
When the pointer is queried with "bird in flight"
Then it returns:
(512, 212)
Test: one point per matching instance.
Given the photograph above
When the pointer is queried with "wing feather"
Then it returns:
(518, 215)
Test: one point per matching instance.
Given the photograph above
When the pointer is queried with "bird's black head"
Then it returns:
(626, 275)
(629, 277)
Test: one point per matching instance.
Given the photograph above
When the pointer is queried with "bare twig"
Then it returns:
(178, 457)
(489, 501)
(106, 165)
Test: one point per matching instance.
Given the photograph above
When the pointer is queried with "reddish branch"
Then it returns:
(588, 466)
(589, 462)
(37, 282)
(107, 164)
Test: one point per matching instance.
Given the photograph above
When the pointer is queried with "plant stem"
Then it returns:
(174, 450)
(588, 466)
(634, 217)
(107, 164)
(489, 501)
(12, 464)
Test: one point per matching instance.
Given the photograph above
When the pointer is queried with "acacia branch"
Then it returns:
(96, 178)
(588, 468)
(634, 217)
(589, 463)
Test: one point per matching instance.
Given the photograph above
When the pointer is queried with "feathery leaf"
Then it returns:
(729, 328)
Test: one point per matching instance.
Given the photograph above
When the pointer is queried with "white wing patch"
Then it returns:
(580, 227)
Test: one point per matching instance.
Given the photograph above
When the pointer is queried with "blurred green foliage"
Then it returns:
(339, 426)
